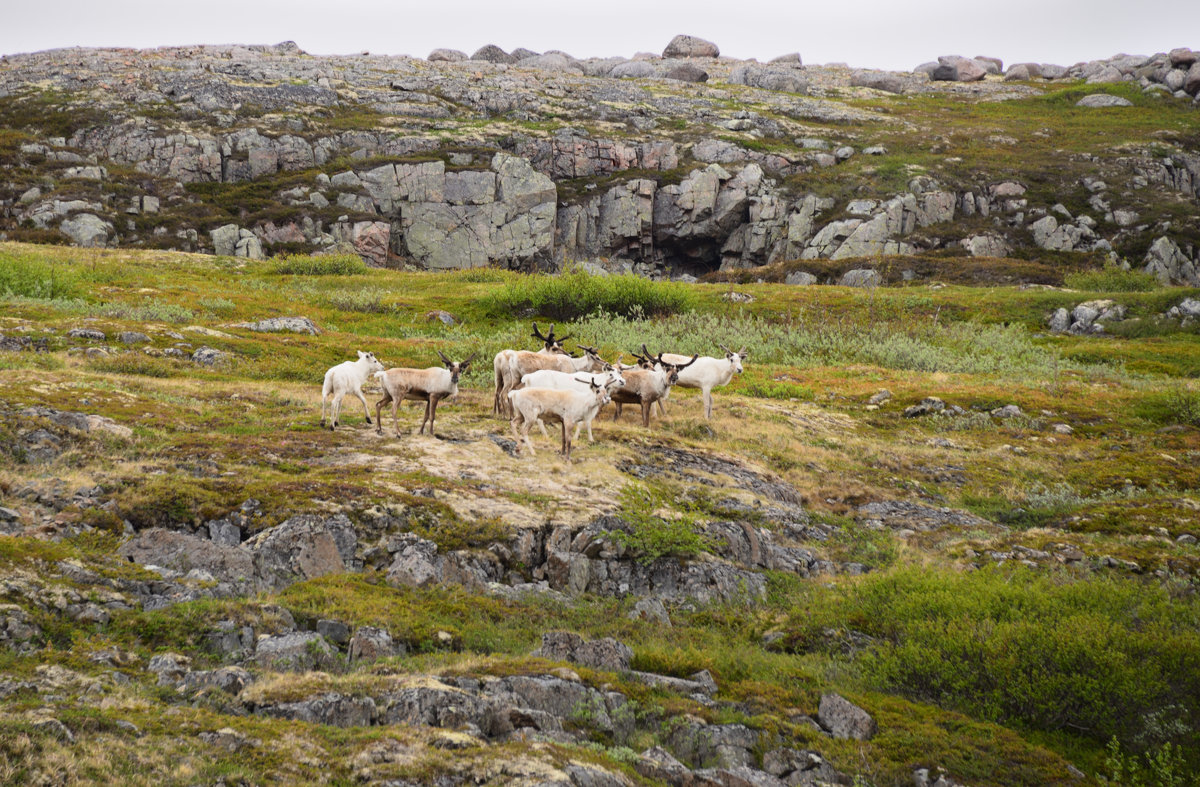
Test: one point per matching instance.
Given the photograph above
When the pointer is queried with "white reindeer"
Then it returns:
(423, 385)
(505, 361)
(567, 407)
(347, 378)
(706, 373)
(611, 379)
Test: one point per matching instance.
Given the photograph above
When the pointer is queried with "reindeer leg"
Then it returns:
(335, 410)
(542, 426)
(646, 413)
(707, 403)
(566, 441)
(433, 403)
(363, 399)
(379, 406)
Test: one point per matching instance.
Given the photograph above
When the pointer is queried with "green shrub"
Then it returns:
(1101, 657)
(652, 536)
(571, 296)
(1178, 404)
(322, 265)
(29, 277)
(1112, 279)
(368, 300)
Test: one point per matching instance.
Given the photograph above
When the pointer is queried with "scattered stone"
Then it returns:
(86, 333)
(800, 278)
(207, 356)
(927, 406)
(371, 644)
(444, 317)
(282, 324)
(132, 337)
(1103, 100)
(844, 719)
(880, 397)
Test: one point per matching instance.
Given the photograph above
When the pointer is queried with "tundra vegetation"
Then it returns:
(1047, 621)
(979, 532)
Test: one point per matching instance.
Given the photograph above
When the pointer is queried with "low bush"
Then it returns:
(1024, 648)
(319, 265)
(1178, 404)
(1112, 279)
(651, 535)
(573, 296)
(28, 277)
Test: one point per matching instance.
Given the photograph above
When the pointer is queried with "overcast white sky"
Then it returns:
(895, 34)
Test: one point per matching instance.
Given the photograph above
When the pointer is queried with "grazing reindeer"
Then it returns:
(424, 385)
(503, 362)
(647, 386)
(706, 373)
(347, 378)
(567, 407)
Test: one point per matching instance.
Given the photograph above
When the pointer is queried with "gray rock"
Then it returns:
(1007, 411)
(690, 46)
(1059, 321)
(1103, 100)
(297, 651)
(446, 56)
(335, 631)
(225, 239)
(86, 333)
(657, 764)
(332, 708)
(1052, 71)
(800, 278)
(1023, 71)
(304, 547)
(1169, 264)
(282, 324)
(87, 230)
(633, 69)
(844, 719)
(927, 406)
(207, 356)
(687, 72)
(230, 680)
(1182, 57)
(652, 610)
(184, 552)
(371, 644)
(132, 337)
(493, 54)
(605, 654)
(861, 277)
(1189, 307)
(879, 80)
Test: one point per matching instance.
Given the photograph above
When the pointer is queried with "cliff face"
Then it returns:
(667, 166)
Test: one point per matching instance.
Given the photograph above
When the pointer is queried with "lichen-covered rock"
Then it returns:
(297, 651)
(844, 719)
(332, 708)
(305, 546)
(87, 229)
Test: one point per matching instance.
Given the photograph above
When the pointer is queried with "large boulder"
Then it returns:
(844, 719)
(1169, 264)
(446, 56)
(603, 654)
(493, 54)
(304, 547)
(184, 552)
(687, 72)
(690, 46)
(298, 651)
(87, 230)
(225, 239)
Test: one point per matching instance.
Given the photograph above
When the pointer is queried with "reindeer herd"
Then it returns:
(533, 387)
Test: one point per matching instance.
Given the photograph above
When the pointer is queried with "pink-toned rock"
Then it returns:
(370, 239)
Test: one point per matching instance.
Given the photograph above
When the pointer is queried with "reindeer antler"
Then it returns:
(445, 360)
(538, 334)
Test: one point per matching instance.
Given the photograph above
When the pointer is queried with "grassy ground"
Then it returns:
(1124, 483)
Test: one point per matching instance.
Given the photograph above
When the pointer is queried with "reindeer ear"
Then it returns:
(361, 354)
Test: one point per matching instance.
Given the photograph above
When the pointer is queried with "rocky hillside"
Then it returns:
(680, 165)
(921, 540)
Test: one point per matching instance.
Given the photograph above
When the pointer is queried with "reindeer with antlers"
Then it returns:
(647, 386)
(704, 372)
(521, 363)
(424, 385)
(503, 362)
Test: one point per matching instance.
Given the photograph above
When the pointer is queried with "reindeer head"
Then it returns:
(456, 369)
(673, 369)
(552, 343)
(373, 363)
(735, 358)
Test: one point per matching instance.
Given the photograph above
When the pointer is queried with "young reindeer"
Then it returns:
(347, 378)
(611, 379)
(567, 407)
(503, 363)
(706, 373)
(647, 386)
(423, 385)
